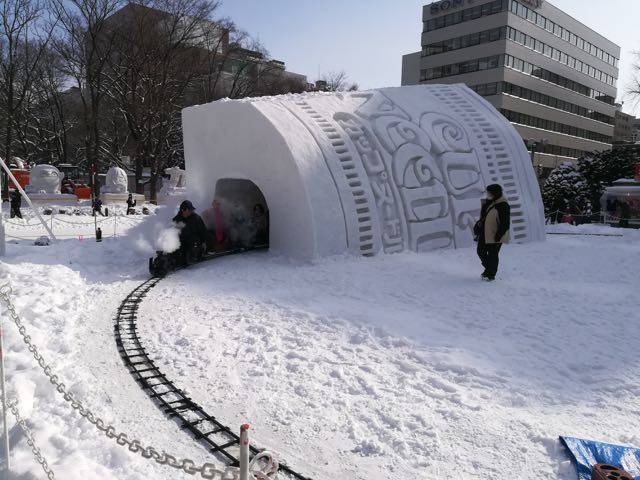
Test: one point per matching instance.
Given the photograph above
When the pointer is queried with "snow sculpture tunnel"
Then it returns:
(365, 172)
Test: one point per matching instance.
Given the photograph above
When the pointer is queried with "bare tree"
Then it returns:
(153, 65)
(25, 32)
(84, 43)
(338, 82)
(47, 114)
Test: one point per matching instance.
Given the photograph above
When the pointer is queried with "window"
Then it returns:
(464, 41)
(519, 9)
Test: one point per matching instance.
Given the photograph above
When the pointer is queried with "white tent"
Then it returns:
(365, 172)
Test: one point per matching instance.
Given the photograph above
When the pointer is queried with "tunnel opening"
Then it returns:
(239, 217)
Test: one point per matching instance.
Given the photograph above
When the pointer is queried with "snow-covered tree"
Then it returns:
(565, 187)
(601, 169)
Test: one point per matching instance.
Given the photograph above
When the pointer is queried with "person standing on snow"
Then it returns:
(492, 230)
(16, 203)
(193, 233)
(625, 215)
(130, 204)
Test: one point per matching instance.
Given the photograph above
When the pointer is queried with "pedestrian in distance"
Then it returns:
(625, 215)
(97, 207)
(131, 203)
(492, 230)
(16, 203)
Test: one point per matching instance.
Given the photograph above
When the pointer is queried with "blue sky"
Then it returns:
(367, 38)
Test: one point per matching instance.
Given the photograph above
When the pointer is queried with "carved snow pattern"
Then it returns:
(424, 174)
(498, 159)
(367, 231)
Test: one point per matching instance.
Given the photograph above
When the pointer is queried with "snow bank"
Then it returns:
(386, 170)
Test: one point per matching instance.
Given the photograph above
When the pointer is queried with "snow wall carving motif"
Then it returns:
(409, 165)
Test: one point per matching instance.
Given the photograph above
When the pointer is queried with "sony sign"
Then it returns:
(446, 5)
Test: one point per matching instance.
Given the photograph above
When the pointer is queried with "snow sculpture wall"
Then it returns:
(377, 171)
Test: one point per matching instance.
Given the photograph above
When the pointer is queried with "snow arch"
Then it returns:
(366, 172)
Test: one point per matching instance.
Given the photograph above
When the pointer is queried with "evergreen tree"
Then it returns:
(601, 169)
(565, 188)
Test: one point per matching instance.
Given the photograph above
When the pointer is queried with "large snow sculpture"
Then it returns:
(44, 186)
(377, 171)
(44, 179)
(116, 187)
(116, 181)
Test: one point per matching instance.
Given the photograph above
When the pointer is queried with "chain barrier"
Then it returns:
(188, 466)
(598, 216)
(13, 406)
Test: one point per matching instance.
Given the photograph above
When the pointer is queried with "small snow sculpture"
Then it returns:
(176, 177)
(116, 181)
(174, 186)
(45, 179)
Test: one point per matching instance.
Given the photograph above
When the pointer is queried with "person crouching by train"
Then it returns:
(193, 233)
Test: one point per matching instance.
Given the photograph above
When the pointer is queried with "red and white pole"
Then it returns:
(244, 452)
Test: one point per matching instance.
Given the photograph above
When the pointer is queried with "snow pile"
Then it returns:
(67, 294)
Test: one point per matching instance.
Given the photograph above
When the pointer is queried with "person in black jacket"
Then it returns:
(495, 222)
(130, 204)
(16, 203)
(193, 233)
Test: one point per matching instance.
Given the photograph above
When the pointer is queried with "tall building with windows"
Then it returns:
(553, 77)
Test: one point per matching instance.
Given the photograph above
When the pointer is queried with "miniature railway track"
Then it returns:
(219, 439)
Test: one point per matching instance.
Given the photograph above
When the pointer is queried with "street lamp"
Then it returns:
(535, 145)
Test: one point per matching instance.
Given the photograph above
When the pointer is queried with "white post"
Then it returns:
(26, 197)
(244, 452)
(115, 224)
(5, 433)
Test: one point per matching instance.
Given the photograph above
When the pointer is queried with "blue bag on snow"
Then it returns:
(587, 453)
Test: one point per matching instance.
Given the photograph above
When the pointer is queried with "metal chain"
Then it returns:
(13, 406)
(207, 470)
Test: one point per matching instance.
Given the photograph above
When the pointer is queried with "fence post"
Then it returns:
(52, 213)
(115, 224)
(5, 432)
(244, 452)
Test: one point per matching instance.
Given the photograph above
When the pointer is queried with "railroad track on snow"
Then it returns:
(205, 428)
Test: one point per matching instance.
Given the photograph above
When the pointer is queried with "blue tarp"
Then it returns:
(586, 453)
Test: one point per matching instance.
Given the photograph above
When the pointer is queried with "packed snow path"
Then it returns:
(219, 439)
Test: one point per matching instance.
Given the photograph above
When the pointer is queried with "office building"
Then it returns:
(553, 77)
(623, 128)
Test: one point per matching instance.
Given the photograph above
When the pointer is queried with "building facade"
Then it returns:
(623, 128)
(551, 76)
(635, 131)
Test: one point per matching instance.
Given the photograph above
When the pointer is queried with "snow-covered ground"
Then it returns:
(393, 367)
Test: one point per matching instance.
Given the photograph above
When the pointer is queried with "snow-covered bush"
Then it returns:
(565, 187)
(599, 170)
